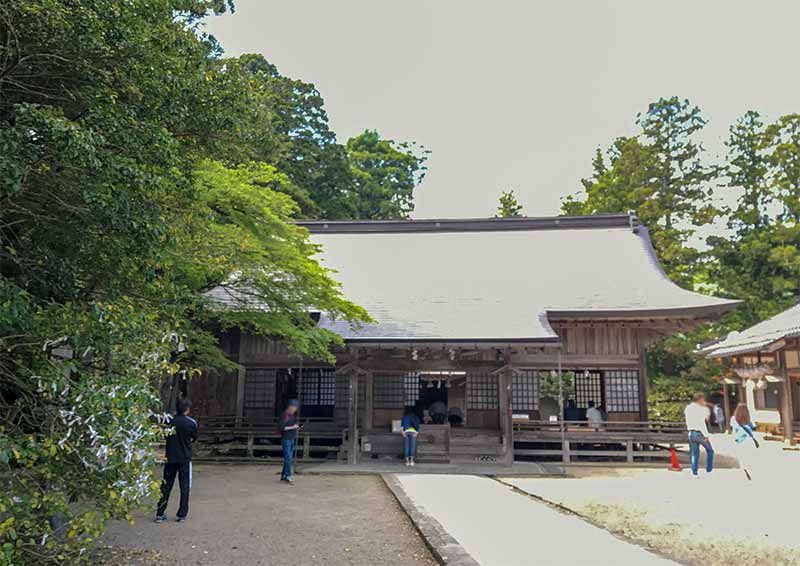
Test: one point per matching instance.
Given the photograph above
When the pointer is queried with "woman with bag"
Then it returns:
(743, 437)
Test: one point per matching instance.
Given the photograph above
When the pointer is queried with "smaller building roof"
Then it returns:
(759, 336)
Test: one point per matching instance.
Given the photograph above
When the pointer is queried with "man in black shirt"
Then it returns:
(179, 460)
(288, 427)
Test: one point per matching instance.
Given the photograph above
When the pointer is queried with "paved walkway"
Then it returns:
(500, 527)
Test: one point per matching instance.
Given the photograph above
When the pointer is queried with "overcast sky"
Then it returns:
(519, 94)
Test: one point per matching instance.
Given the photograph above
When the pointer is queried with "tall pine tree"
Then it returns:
(660, 174)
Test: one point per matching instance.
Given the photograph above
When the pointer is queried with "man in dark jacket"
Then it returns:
(288, 426)
(179, 460)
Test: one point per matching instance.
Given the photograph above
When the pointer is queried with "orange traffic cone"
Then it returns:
(674, 465)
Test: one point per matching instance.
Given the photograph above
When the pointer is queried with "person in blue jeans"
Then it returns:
(697, 414)
(410, 427)
(288, 426)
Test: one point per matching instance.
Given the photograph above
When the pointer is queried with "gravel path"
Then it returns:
(244, 515)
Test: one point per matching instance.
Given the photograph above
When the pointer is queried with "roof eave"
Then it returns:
(704, 312)
(486, 342)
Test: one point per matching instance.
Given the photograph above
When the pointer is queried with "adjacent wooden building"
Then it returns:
(765, 367)
(488, 316)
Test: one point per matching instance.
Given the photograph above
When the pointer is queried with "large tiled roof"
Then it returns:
(759, 336)
(498, 279)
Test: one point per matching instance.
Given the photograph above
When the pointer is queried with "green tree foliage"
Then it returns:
(508, 206)
(550, 388)
(127, 190)
(287, 126)
(661, 175)
(760, 264)
(385, 174)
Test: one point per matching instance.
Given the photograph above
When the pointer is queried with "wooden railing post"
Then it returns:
(565, 452)
(629, 450)
(306, 446)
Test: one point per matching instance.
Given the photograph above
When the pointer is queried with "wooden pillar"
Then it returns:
(726, 405)
(369, 393)
(504, 398)
(787, 408)
(352, 418)
(644, 385)
(240, 379)
(505, 408)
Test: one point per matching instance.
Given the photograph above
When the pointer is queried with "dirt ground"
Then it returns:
(243, 515)
(719, 518)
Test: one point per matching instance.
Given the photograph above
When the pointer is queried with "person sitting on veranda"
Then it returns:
(571, 411)
(594, 416)
(455, 417)
(438, 412)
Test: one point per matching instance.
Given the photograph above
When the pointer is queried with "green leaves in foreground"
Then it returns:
(117, 216)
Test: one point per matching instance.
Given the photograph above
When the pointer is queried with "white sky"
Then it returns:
(519, 94)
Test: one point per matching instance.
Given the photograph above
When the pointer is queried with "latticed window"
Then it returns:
(259, 388)
(622, 391)
(587, 388)
(319, 387)
(395, 391)
(411, 383)
(389, 391)
(481, 391)
(525, 390)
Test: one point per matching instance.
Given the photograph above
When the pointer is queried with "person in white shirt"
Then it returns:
(594, 416)
(697, 415)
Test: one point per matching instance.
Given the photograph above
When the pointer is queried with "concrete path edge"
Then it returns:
(444, 547)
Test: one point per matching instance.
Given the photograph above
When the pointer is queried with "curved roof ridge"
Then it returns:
(595, 221)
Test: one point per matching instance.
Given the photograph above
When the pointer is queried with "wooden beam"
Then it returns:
(347, 369)
(582, 361)
(398, 364)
